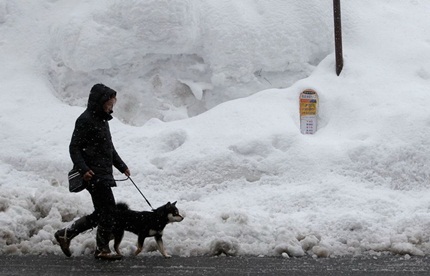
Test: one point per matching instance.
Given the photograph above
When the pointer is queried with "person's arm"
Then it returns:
(119, 164)
(77, 144)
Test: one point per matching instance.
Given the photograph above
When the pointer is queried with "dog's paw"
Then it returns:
(167, 256)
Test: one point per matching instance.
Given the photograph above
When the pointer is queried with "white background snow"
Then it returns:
(207, 115)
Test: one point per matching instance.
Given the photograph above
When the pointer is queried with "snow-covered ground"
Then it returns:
(207, 115)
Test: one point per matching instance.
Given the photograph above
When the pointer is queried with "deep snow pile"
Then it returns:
(175, 59)
(244, 177)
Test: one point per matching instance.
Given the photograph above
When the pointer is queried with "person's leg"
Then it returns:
(64, 236)
(104, 205)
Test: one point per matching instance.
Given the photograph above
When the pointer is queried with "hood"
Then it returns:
(100, 94)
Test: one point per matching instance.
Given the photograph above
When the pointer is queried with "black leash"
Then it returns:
(140, 192)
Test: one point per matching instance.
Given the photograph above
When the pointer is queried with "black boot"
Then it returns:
(64, 236)
(103, 251)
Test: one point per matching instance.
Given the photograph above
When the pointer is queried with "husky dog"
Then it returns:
(144, 224)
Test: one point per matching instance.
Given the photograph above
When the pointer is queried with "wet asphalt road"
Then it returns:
(53, 265)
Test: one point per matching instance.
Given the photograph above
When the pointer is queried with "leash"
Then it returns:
(140, 192)
(129, 178)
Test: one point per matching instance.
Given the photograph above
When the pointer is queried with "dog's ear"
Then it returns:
(174, 203)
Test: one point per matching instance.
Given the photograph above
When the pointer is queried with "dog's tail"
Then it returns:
(121, 206)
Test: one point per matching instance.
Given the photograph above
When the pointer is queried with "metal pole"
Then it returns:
(337, 36)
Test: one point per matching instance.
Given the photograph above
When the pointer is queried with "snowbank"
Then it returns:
(192, 128)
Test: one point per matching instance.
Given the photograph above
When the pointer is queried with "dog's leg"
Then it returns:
(140, 240)
(117, 241)
(160, 244)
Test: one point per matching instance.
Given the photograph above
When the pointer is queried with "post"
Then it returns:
(308, 111)
(337, 36)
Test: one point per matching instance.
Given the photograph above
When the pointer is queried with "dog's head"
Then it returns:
(173, 212)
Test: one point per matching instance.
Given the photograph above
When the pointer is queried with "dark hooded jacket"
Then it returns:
(91, 146)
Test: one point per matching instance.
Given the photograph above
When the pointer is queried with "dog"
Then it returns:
(144, 224)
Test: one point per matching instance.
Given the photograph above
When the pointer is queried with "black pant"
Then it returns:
(104, 209)
(103, 216)
(104, 204)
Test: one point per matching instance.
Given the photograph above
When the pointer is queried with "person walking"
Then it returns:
(94, 155)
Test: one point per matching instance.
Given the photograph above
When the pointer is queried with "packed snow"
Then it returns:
(207, 115)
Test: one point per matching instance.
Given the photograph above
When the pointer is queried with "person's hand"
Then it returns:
(88, 175)
(127, 172)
